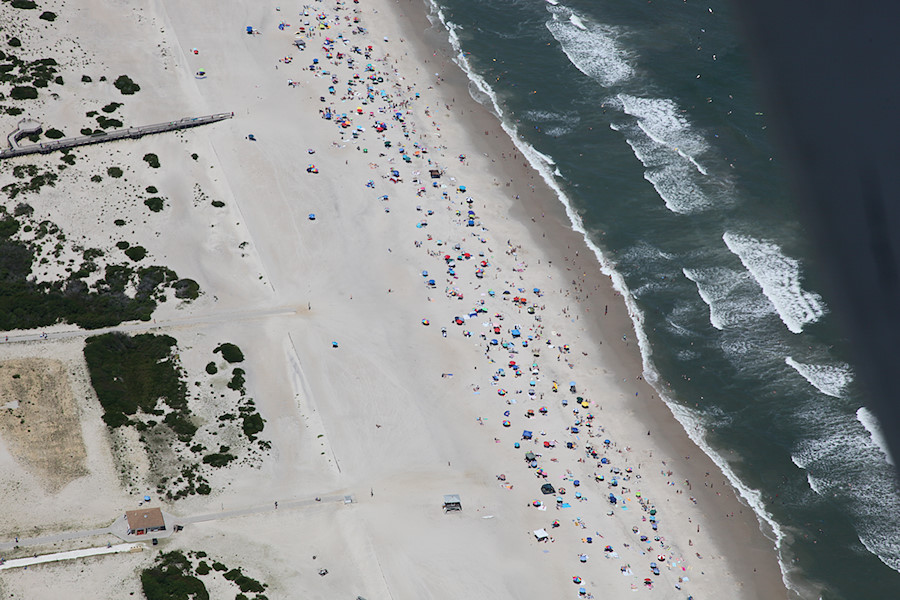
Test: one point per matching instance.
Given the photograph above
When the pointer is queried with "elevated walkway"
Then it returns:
(28, 127)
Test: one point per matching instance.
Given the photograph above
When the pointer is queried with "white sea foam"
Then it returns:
(868, 420)
(674, 181)
(593, 48)
(728, 294)
(828, 379)
(845, 464)
(665, 142)
(779, 277)
(691, 425)
(663, 123)
(577, 22)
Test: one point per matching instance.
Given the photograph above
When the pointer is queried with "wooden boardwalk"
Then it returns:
(97, 138)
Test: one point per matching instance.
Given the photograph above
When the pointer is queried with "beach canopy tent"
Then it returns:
(452, 502)
(541, 535)
(530, 456)
(547, 489)
(526, 435)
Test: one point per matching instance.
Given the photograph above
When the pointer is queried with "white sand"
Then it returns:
(372, 417)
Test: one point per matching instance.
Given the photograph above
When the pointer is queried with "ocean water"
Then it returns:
(644, 118)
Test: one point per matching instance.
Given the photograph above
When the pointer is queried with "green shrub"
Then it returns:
(126, 85)
(252, 425)
(134, 373)
(23, 210)
(111, 107)
(180, 424)
(14, 42)
(107, 123)
(54, 134)
(151, 189)
(136, 253)
(211, 368)
(219, 566)
(25, 4)
(123, 245)
(170, 579)
(187, 289)
(155, 204)
(237, 380)
(86, 131)
(114, 172)
(218, 203)
(152, 160)
(119, 222)
(58, 80)
(86, 79)
(98, 179)
(203, 568)
(23, 92)
(8, 227)
(230, 352)
(48, 16)
(195, 156)
(218, 460)
(246, 584)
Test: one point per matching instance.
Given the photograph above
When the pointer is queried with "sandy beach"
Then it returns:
(410, 298)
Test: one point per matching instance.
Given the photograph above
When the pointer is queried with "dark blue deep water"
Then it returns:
(645, 117)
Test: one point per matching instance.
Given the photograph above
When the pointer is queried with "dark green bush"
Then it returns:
(107, 123)
(171, 579)
(151, 189)
(136, 253)
(86, 79)
(152, 160)
(134, 373)
(252, 425)
(211, 368)
(14, 42)
(23, 210)
(114, 172)
(155, 204)
(187, 289)
(125, 85)
(237, 380)
(230, 352)
(218, 460)
(111, 107)
(246, 584)
(26, 4)
(23, 92)
(48, 16)
(54, 134)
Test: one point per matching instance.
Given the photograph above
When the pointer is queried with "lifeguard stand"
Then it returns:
(452, 503)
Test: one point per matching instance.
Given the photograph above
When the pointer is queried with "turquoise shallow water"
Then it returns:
(645, 116)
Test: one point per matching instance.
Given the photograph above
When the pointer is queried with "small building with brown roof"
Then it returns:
(141, 522)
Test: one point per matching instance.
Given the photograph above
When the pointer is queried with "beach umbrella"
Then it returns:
(576, 579)
(426, 322)
(506, 423)
(501, 392)
(506, 413)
